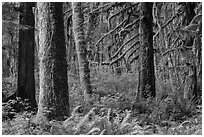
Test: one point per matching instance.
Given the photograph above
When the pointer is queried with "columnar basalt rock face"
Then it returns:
(53, 96)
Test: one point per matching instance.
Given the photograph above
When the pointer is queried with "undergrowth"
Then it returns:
(115, 113)
(102, 121)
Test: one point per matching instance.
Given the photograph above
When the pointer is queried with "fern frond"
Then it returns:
(67, 121)
(108, 114)
(126, 118)
(84, 120)
(184, 123)
(104, 123)
(58, 130)
(93, 130)
(103, 132)
(76, 109)
(72, 118)
(125, 127)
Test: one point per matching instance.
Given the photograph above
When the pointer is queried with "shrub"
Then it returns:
(12, 107)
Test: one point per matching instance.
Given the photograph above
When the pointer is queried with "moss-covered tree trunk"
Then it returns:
(146, 69)
(80, 42)
(53, 96)
(26, 82)
(190, 88)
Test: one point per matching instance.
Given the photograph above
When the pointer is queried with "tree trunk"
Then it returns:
(80, 42)
(146, 72)
(54, 95)
(190, 88)
(190, 12)
(26, 82)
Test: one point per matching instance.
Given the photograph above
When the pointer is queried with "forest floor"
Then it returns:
(93, 124)
(112, 113)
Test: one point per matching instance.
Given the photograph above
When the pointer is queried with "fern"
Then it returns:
(85, 119)
(104, 123)
(126, 118)
(93, 130)
(103, 132)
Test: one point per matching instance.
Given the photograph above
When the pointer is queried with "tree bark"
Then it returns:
(190, 88)
(146, 72)
(26, 82)
(54, 95)
(190, 12)
(80, 42)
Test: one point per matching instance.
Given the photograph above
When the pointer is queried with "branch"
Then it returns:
(173, 43)
(110, 5)
(172, 47)
(122, 10)
(69, 10)
(165, 24)
(123, 46)
(121, 56)
(16, 24)
(104, 6)
(126, 28)
(89, 27)
(131, 54)
(106, 34)
(171, 19)
(102, 93)
(170, 50)
(136, 21)
(135, 58)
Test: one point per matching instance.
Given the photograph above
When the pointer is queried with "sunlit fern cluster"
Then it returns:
(103, 121)
(99, 122)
